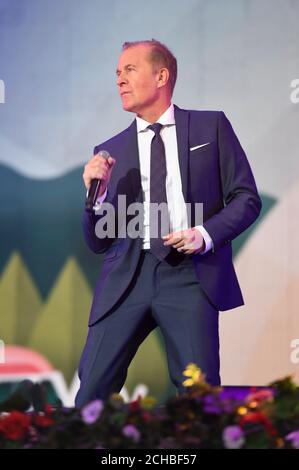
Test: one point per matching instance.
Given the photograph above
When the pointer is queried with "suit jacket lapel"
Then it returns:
(182, 132)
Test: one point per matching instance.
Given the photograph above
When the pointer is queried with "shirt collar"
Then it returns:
(166, 119)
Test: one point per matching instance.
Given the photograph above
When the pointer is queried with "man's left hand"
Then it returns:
(189, 241)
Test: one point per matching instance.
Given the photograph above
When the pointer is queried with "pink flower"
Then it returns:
(294, 438)
(131, 432)
(260, 395)
(233, 437)
(91, 412)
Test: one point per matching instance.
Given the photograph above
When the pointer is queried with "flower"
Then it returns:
(48, 409)
(91, 412)
(260, 396)
(211, 404)
(242, 410)
(233, 437)
(132, 432)
(134, 406)
(147, 403)
(43, 421)
(190, 420)
(116, 401)
(190, 369)
(146, 416)
(294, 438)
(279, 443)
(196, 377)
(259, 418)
(15, 425)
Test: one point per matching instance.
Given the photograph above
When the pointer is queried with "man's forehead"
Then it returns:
(134, 54)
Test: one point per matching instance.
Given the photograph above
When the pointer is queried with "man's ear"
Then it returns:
(163, 77)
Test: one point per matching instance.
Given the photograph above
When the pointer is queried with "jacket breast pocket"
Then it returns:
(204, 149)
(204, 172)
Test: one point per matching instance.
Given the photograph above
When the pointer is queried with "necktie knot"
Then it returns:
(156, 127)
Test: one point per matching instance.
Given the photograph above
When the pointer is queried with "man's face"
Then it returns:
(136, 80)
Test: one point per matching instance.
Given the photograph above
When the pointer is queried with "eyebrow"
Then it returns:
(125, 67)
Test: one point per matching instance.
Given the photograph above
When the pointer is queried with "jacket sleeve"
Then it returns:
(96, 244)
(89, 221)
(241, 202)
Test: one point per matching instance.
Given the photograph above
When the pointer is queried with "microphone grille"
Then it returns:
(104, 154)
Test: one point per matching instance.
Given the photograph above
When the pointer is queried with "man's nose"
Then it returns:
(121, 79)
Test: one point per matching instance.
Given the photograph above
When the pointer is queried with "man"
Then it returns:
(181, 281)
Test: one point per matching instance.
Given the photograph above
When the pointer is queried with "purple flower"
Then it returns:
(294, 438)
(233, 437)
(132, 432)
(91, 412)
(210, 405)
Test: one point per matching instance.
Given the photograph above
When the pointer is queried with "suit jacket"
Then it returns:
(217, 175)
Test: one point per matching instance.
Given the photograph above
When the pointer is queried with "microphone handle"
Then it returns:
(92, 195)
(94, 189)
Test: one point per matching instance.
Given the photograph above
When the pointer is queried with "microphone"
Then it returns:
(92, 194)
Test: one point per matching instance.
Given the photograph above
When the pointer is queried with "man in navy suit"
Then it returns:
(182, 290)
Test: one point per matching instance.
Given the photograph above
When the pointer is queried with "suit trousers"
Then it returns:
(166, 294)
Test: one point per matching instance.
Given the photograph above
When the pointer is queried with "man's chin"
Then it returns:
(127, 107)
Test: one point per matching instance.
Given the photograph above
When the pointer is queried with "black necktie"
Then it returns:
(158, 195)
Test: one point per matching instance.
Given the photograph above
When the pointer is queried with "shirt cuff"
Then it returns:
(206, 237)
(100, 200)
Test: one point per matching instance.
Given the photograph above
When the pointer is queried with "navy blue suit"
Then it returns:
(217, 175)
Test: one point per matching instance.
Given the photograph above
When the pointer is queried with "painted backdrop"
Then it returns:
(58, 99)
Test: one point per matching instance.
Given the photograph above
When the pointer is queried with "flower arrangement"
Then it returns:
(204, 417)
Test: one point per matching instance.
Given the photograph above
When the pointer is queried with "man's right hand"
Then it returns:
(98, 168)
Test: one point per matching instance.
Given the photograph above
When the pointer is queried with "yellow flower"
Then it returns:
(188, 383)
(196, 377)
(188, 373)
(147, 403)
(190, 369)
(242, 410)
(116, 400)
(279, 442)
(116, 397)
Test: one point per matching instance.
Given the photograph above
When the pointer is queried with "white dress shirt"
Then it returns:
(175, 199)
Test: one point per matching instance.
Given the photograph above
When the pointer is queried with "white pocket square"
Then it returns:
(198, 146)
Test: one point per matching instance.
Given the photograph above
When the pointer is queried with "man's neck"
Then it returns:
(153, 114)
